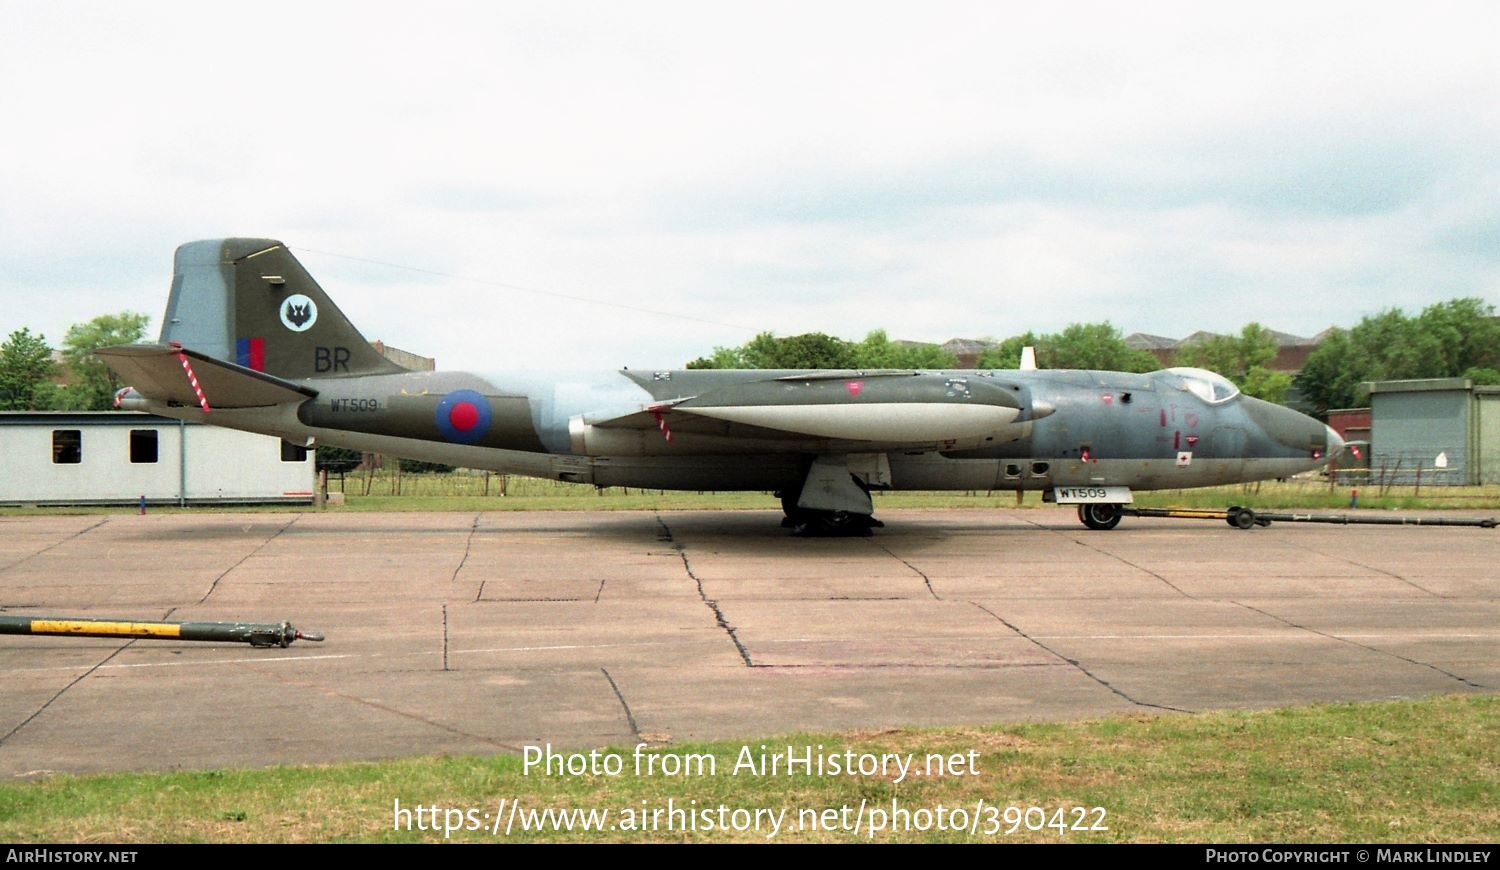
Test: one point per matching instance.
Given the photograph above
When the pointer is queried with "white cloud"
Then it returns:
(942, 170)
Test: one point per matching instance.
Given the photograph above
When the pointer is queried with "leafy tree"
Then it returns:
(1460, 334)
(25, 369)
(721, 358)
(1331, 376)
(749, 355)
(1482, 376)
(94, 385)
(1244, 359)
(338, 459)
(877, 351)
(1007, 354)
(1262, 383)
(1097, 346)
(1448, 339)
(417, 466)
(813, 350)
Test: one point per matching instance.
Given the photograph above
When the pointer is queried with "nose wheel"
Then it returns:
(1099, 516)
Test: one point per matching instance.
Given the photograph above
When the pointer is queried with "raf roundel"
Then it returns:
(463, 416)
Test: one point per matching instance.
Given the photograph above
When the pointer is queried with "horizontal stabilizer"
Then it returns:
(157, 373)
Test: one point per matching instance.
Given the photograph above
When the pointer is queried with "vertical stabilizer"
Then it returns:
(250, 302)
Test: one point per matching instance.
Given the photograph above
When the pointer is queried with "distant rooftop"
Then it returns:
(1146, 341)
(1292, 350)
(960, 346)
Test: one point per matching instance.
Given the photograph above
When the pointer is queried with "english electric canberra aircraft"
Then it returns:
(250, 341)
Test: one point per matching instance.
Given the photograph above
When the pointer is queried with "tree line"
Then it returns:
(1457, 338)
(1241, 358)
(28, 371)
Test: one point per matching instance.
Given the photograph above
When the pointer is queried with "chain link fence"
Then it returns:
(459, 482)
(1414, 468)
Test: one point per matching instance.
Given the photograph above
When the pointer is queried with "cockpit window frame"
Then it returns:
(1211, 387)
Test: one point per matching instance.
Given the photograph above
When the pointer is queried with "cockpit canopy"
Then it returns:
(1206, 385)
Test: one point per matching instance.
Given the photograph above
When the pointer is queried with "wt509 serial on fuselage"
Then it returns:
(250, 341)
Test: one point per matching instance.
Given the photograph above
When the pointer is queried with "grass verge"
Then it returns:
(1422, 771)
(470, 492)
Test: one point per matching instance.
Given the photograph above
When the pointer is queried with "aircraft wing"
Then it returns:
(890, 408)
(156, 371)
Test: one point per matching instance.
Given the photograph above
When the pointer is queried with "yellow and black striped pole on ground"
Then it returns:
(254, 633)
(1244, 518)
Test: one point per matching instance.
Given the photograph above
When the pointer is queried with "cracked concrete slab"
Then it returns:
(484, 632)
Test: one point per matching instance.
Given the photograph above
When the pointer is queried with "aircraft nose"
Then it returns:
(1335, 444)
(1294, 431)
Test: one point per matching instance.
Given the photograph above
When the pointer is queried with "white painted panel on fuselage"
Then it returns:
(886, 422)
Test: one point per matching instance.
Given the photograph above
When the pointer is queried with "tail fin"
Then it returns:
(248, 301)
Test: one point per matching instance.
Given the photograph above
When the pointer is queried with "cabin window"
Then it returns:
(67, 446)
(1012, 470)
(293, 452)
(1206, 385)
(143, 446)
(1040, 469)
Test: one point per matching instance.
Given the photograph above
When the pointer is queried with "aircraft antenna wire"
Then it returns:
(552, 293)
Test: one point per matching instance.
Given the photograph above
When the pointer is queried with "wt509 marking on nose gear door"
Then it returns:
(1089, 494)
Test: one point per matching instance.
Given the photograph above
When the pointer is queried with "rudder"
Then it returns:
(250, 302)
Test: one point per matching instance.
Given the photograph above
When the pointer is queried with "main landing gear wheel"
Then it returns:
(795, 516)
(827, 524)
(1099, 517)
(833, 524)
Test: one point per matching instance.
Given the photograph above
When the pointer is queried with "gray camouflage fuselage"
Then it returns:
(1134, 430)
(275, 355)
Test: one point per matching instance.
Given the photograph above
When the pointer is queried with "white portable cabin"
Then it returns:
(115, 457)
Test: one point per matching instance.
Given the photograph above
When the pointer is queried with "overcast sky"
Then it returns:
(507, 185)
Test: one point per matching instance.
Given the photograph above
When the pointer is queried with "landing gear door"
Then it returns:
(873, 470)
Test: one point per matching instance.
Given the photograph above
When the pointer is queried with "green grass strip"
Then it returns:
(1421, 771)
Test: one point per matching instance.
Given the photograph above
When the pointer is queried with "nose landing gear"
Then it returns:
(1099, 516)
